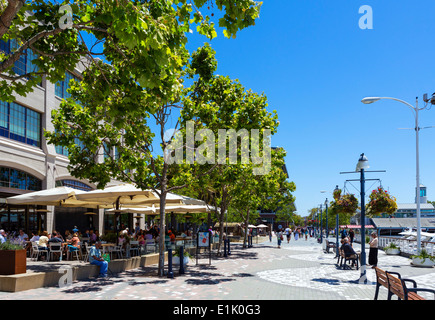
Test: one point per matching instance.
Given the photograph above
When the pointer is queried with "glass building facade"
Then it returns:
(17, 179)
(20, 123)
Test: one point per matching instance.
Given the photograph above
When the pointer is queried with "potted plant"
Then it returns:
(392, 249)
(381, 202)
(176, 257)
(423, 259)
(13, 258)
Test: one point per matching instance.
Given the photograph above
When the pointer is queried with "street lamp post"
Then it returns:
(321, 224)
(326, 212)
(336, 231)
(416, 109)
(361, 166)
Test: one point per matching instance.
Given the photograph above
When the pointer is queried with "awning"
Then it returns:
(357, 226)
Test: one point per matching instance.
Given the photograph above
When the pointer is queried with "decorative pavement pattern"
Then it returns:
(300, 270)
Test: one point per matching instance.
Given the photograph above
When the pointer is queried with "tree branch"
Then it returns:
(9, 14)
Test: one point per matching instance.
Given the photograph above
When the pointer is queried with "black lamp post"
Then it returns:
(326, 212)
(361, 166)
(336, 230)
(321, 224)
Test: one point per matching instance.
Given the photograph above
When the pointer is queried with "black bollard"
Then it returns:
(181, 260)
(170, 272)
(229, 250)
(225, 248)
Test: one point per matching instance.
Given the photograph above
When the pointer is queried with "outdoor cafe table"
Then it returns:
(107, 245)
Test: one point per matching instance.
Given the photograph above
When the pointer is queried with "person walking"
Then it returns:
(373, 251)
(280, 237)
(297, 233)
(288, 233)
(351, 236)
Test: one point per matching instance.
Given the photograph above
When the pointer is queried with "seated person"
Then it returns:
(148, 235)
(43, 242)
(348, 250)
(74, 243)
(171, 236)
(55, 237)
(96, 259)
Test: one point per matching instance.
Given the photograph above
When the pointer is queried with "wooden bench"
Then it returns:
(395, 285)
(329, 245)
(382, 280)
(342, 258)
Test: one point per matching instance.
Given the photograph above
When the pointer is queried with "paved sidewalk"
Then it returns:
(298, 271)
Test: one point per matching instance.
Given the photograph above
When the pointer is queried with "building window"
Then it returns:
(63, 85)
(17, 179)
(25, 63)
(73, 184)
(64, 150)
(20, 123)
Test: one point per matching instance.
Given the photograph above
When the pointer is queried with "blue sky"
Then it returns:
(315, 64)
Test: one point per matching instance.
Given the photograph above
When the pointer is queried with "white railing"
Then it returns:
(407, 246)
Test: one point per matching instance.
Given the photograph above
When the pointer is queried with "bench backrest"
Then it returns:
(396, 286)
(381, 277)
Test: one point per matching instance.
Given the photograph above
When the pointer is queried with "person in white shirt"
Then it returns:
(2, 236)
(34, 238)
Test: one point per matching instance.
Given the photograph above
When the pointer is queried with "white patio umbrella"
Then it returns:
(122, 195)
(168, 209)
(59, 196)
(261, 226)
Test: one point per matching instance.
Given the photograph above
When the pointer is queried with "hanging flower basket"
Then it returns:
(381, 202)
(347, 203)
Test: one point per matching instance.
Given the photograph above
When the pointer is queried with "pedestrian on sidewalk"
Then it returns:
(280, 237)
(288, 233)
(373, 251)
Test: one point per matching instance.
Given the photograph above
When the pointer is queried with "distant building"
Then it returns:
(409, 210)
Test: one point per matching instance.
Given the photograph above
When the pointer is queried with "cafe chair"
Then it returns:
(36, 252)
(73, 251)
(117, 250)
(134, 248)
(55, 247)
(88, 249)
(150, 244)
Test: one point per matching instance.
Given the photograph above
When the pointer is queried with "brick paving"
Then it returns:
(300, 270)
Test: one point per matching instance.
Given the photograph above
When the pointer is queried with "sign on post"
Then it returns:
(203, 241)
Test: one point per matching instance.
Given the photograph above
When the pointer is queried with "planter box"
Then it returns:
(176, 260)
(12, 262)
(392, 251)
(418, 262)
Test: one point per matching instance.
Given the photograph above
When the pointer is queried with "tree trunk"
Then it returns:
(245, 238)
(163, 192)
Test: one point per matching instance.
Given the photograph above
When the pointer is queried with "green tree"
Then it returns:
(269, 191)
(109, 112)
(218, 104)
(146, 39)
